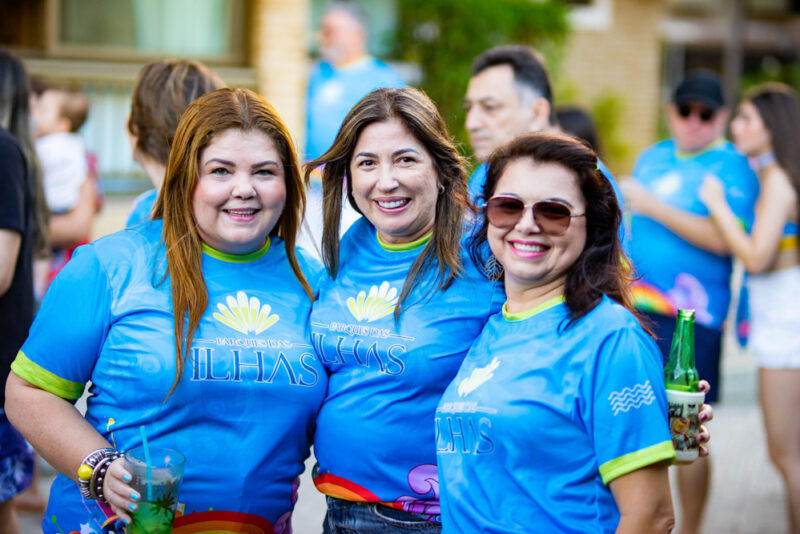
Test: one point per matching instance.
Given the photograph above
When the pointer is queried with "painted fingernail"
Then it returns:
(132, 507)
(135, 496)
(127, 521)
(126, 478)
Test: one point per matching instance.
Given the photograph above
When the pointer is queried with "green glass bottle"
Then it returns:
(680, 373)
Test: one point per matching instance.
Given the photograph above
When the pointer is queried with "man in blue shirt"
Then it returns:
(508, 95)
(344, 76)
(676, 249)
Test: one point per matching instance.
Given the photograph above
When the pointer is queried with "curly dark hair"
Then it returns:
(602, 267)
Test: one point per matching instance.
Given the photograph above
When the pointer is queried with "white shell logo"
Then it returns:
(479, 376)
(245, 315)
(380, 302)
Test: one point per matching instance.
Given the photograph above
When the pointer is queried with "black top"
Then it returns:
(16, 214)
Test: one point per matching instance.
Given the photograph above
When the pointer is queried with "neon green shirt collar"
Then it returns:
(404, 247)
(237, 258)
(689, 155)
(546, 305)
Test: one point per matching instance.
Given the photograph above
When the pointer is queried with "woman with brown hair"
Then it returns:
(564, 388)
(192, 328)
(163, 91)
(396, 315)
(766, 129)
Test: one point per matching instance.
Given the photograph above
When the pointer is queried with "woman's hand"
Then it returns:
(122, 498)
(706, 415)
(712, 194)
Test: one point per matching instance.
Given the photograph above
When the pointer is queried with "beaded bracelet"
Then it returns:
(92, 472)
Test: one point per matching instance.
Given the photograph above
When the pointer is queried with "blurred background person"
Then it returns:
(508, 95)
(22, 232)
(680, 255)
(163, 91)
(578, 122)
(344, 75)
(69, 176)
(767, 130)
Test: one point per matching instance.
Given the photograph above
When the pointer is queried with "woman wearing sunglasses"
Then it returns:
(766, 129)
(396, 316)
(557, 419)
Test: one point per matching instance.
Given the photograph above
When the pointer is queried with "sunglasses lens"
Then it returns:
(552, 217)
(504, 212)
(705, 114)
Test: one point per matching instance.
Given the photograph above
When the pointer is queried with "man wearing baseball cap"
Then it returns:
(675, 248)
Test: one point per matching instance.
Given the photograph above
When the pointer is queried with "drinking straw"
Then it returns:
(147, 463)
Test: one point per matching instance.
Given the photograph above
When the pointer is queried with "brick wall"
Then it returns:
(624, 58)
(279, 56)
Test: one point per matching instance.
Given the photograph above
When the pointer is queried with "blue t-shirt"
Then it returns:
(243, 412)
(674, 273)
(142, 209)
(541, 418)
(374, 440)
(333, 91)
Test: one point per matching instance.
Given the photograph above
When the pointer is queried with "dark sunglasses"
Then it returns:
(686, 110)
(505, 211)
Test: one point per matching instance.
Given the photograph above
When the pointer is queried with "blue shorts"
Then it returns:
(16, 460)
(348, 517)
(707, 348)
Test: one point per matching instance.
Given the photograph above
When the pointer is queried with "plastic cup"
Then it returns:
(158, 486)
(684, 425)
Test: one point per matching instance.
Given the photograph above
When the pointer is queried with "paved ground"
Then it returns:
(746, 493)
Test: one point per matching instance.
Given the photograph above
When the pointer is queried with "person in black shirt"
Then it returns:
(21, 233)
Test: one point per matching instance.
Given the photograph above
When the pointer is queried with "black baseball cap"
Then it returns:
(700, 86)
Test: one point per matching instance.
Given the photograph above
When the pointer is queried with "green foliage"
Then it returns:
(444, 36)
(773, 70)
(606, 110)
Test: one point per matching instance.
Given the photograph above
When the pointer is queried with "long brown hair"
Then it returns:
(209, 115)
(163, 91)
(779, 108)
(15, 117)
(601, 267)
(417, 113)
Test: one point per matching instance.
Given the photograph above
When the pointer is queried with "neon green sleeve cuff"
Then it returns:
(636, 460)
(42, 378)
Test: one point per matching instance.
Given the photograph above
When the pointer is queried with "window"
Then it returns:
(209, 30)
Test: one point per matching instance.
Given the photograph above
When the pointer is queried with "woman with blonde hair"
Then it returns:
(766, 129)
(192, 328)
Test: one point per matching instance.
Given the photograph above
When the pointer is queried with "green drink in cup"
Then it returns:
(156, 476)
